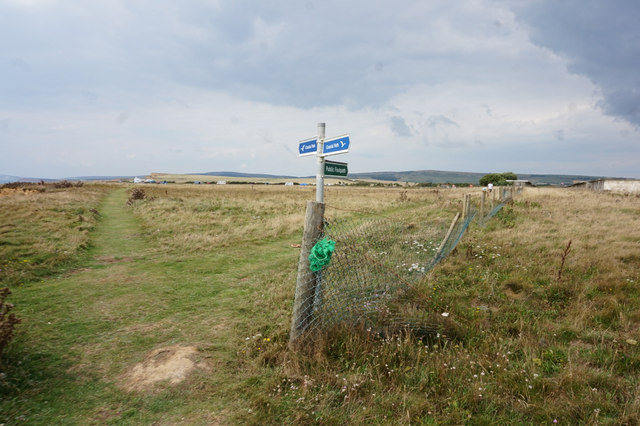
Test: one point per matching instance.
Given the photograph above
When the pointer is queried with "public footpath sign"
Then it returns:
(334, 168)
(321, 148)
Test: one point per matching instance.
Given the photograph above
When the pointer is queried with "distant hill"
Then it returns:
(419, 176)
(244, 175)
(9, 179)
(86, 178)
(438, 176)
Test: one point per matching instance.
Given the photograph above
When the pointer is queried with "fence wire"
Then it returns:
(371, 279)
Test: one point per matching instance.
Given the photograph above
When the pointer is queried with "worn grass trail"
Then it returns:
(83, 330)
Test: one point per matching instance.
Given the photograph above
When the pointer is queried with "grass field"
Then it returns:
(184, 178)
(176, 310)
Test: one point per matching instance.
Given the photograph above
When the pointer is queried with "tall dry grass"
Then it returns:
(524, 346)
(41, 230)
(188, 219)
(521, 342)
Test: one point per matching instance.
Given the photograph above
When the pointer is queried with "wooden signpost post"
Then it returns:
(306, 285)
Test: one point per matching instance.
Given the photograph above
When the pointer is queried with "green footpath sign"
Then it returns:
(333, 168)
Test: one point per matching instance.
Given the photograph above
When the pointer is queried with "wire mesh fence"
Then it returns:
(372, 275)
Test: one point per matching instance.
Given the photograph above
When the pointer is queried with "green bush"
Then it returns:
(498, 179)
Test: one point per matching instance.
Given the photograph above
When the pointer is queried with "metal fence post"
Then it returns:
(320, 163)
(306, 280)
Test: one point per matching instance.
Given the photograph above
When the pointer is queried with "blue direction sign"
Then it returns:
(308, 147)
(337, 145)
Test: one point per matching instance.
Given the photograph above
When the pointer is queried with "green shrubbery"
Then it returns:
(498, 179)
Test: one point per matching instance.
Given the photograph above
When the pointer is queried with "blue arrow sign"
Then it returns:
(308, 147)
(336, 145)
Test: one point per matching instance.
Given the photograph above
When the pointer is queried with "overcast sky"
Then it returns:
(126, 87)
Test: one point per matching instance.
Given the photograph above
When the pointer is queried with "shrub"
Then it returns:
(498, 179)
(136, 194)
(7, 320)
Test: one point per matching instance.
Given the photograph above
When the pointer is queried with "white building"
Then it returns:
(631, 186)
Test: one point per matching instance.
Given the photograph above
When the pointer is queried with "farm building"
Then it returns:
(520, 183)
(614, 185)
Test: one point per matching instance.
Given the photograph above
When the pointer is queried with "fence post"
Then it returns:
(306, 280)
(466, 206)
(446, 237)
(484, 195)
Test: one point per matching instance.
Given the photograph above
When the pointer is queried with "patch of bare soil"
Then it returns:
(76, 271)
(513, 294)
(514, 290)
(171, 364)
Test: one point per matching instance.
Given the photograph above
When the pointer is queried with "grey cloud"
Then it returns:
(440, 121)
(122, 118)
(601, 41)
(623, 103)
(333, 53)
(399, 126)
(288, 149)
(19, 64)
(83, 63)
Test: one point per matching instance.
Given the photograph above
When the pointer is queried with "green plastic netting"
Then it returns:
(320, 255)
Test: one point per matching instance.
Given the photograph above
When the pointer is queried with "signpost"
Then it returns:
(321, 148)
(308, 287)
(334, 168)
(320, 164)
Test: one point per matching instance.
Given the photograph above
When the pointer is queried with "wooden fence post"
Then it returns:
(306, 280)
(446, 237)
(484, 195)
(466, 206)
